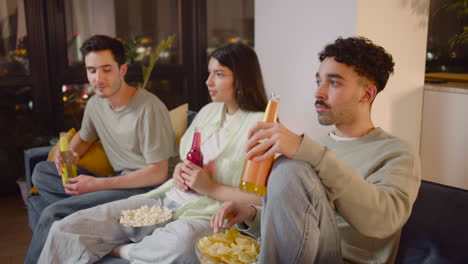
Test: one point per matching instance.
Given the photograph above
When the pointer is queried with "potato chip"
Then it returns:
(230, 247)
(243, 257)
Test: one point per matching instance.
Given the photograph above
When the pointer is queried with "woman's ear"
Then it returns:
(369, 94)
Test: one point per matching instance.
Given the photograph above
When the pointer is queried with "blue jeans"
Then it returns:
(298, 222)
(49, 185)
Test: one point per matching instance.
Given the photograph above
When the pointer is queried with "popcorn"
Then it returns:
(145, 216)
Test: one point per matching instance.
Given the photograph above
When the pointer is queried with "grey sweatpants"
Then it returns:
(298, 223)
(88, 235)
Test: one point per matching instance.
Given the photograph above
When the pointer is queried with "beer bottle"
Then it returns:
(195, 155)
(255, 175)
(68, 161)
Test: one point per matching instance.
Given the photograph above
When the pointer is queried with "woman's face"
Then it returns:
(220, 82)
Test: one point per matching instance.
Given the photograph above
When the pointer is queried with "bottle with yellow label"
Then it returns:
(68, 161)
(255, 175)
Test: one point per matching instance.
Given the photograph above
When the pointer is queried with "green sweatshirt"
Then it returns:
(372, 182)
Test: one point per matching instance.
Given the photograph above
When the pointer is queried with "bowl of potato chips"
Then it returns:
(230, 246)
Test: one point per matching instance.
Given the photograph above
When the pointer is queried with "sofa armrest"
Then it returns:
(31, 157)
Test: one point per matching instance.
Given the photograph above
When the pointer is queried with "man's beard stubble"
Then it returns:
(325, 119)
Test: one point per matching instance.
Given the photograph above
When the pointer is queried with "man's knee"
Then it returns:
(289, 175)
(287, 170)
(41, 170)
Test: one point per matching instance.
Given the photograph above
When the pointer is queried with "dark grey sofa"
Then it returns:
(436, 233)
(35, 205)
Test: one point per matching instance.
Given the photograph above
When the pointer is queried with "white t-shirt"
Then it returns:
(210, 149)
(338, 138)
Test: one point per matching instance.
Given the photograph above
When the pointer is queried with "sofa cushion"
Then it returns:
(94, 159)
(178, 117)
(32, 156)
(437, 231)
(35, 206)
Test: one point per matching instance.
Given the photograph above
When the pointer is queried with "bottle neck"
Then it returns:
(271, 112)
(63, 144)
(196, 140)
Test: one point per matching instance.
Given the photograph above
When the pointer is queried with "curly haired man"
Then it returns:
(344, 197)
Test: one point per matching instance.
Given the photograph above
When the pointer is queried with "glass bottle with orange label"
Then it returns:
(255, 175)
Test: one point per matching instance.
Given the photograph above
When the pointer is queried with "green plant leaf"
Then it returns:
(146, 70)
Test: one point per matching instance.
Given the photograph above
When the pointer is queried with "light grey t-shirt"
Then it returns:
(134, 137)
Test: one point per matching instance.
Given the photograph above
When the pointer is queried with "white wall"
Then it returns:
(289, 34)
(400, 26)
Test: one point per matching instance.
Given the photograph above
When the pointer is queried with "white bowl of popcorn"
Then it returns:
(141, 222)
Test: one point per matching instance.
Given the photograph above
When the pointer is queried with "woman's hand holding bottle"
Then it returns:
(178, 179)
(197, 178)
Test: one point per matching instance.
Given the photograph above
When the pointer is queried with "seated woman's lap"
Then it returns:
(175, 241)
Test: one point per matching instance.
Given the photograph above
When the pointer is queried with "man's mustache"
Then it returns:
(320, 102)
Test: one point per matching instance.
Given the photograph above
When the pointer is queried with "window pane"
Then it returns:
(14, 59)
(447, 40)
(229, 21)
(147, 21)
(75, 97)
(168, 91)
(19, 131)
(16, 110)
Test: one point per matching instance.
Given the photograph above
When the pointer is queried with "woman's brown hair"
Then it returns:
(249, 91)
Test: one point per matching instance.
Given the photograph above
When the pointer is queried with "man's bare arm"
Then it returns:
(78, 145)
(151, 175)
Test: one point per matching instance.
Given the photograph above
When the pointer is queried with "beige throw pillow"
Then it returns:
(178, 117)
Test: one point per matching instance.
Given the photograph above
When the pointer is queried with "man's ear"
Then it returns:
(369, 94)
(123, 69)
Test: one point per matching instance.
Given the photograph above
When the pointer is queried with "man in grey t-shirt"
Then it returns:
(134, 128)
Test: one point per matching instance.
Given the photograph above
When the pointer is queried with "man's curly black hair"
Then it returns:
(367, 59)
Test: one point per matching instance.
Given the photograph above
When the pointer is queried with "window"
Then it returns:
(43, 84)
(14, 57)
(228, 22)
(140, 24)
(447, 44)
